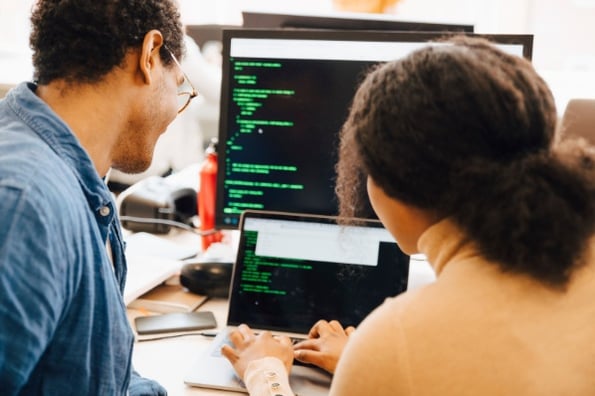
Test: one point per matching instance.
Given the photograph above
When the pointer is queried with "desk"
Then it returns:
(168, 360)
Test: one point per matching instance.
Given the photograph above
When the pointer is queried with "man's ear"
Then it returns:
(149, 55)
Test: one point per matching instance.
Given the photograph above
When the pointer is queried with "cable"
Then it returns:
(172, 223)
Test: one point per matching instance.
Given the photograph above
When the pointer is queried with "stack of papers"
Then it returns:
(151, 261)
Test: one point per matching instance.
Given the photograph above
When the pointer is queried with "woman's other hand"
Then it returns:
(324, 346)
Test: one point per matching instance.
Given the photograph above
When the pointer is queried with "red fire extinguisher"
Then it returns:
(207, 195)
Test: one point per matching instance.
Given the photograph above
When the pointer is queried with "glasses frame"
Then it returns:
(192, 94)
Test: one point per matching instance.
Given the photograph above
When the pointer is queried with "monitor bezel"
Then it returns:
(526, 40)
(345, 21)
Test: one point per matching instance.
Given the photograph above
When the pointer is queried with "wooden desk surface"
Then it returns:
(168, 360)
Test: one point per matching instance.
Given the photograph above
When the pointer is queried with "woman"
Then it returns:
(457, 144)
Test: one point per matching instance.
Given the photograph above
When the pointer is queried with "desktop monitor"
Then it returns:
(205, 33)
(345, 21)
(285, 95)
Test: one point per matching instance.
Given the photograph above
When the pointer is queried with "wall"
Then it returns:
(562, 28)
(563, 50)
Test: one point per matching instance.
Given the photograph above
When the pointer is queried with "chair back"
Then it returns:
(579, 119)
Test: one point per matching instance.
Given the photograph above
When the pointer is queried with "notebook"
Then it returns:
(145, 273)
(292, 270)
(151, 261)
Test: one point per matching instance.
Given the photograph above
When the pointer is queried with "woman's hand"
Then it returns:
(249, 347)
(324, 346)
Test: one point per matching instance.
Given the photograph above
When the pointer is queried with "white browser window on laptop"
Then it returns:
(292, 270)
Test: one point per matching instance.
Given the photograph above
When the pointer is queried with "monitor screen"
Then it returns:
(345, 21)
(285, 95)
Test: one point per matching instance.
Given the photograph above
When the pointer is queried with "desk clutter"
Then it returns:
(211, 278)
(144, 243)
(168, 298)
(152, 203)
(146, 272)
(175, 322)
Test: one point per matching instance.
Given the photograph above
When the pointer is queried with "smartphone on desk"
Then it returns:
(175, 322)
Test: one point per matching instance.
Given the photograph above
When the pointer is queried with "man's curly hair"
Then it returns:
(82, 40)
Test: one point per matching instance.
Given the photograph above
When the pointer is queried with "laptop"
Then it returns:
(292, 270)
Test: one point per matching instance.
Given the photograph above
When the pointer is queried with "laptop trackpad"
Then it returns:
(217, 373)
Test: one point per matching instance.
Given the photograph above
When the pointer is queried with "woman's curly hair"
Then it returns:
(82, 40)
(468, 131)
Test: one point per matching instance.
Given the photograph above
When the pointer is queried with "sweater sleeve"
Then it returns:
(267, 377)
(375, 360)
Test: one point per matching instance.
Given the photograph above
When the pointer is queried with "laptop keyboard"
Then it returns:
(217, 349)
(227, 341)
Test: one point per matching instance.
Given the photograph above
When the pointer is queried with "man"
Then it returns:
(106, 86)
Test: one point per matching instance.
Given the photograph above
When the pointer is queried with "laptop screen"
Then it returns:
(293, 270)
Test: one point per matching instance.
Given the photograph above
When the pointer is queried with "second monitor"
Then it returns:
(284, 98)
(345, 21)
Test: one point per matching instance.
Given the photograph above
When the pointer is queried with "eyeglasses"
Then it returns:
(186, 91)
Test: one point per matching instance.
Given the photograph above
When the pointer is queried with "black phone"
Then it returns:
(175, 322)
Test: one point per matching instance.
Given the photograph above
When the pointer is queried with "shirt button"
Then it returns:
(104, 211)
(271, 374)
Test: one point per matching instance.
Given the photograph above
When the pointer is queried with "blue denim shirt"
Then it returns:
(63, 324)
